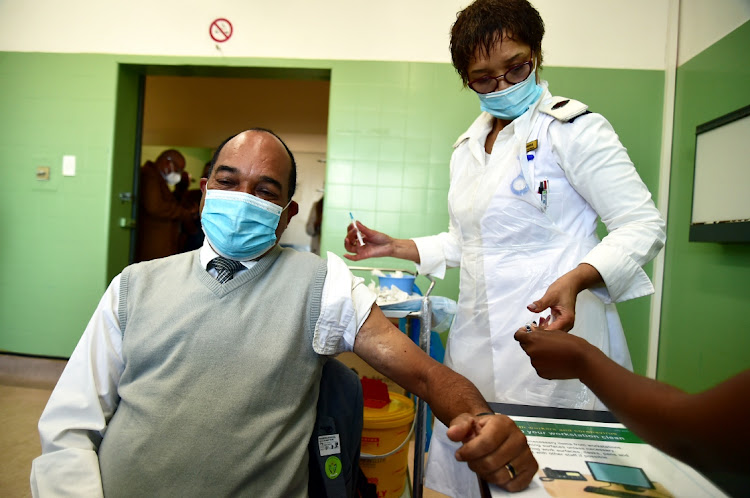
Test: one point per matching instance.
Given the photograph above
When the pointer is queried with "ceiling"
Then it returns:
(196, 111)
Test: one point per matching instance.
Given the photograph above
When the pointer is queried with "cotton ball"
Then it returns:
(391, 295)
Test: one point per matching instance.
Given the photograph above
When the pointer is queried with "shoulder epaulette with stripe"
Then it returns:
(563, 109)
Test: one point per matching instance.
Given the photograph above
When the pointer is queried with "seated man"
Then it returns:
(194, 380)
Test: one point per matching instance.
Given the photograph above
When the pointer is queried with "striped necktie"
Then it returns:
(225, 268)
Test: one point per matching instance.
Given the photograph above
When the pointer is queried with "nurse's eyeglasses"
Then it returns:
(516, 74)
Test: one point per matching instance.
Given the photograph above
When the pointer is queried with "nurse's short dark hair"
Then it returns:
(481, 25)
(292, 174)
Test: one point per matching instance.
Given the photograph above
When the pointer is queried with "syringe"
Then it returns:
(359, 234)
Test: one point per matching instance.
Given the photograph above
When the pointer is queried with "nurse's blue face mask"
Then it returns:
(513, 101)
(239, 226)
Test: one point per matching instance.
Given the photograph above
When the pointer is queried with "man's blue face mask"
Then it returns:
(239, 226)
(512, 101)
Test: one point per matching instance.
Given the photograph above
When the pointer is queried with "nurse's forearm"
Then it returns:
(582, 277)
(405, 249)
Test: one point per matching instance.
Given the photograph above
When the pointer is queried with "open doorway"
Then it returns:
(194, 109)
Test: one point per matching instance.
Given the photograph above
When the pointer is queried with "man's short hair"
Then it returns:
(292, 174)
(482, 24)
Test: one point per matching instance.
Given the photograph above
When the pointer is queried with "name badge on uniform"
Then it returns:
(329, 444)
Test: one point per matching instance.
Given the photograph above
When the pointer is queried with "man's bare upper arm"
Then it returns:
(389, 351)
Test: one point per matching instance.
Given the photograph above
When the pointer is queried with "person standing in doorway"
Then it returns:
(160, 213)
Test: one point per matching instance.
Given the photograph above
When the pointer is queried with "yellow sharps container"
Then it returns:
(384, 430)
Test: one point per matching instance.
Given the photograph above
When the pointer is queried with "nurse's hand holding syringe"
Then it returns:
(377, 245)
(359, 234)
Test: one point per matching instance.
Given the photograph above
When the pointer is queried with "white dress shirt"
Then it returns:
(85, 398)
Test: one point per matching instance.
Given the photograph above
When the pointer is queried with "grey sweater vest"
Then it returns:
(218, 393)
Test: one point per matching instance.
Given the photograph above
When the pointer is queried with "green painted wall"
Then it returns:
(704, 338)
(391, 127)
(390, 135)
(53, 248)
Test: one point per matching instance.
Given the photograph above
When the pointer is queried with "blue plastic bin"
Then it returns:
(405, 283)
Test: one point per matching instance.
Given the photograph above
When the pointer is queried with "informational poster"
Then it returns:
(585, 459)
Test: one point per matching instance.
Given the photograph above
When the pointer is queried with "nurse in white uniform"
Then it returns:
(528, 180)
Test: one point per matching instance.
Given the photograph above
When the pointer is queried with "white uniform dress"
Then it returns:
(511, 246)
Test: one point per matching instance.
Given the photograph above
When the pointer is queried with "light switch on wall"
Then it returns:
(69, 166)
(42, 173)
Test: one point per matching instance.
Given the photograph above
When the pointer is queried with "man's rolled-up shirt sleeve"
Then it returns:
(82, 403)
(598, 167)
(345, 305)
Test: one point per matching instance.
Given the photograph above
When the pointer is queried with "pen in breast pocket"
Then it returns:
(544, 191)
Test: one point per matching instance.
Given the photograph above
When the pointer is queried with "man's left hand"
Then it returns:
(495, 448)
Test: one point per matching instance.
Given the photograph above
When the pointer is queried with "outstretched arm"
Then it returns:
(490, 442)
(707, 430)
(377, 244)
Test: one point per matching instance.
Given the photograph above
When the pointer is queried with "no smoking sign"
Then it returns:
(220, 30)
